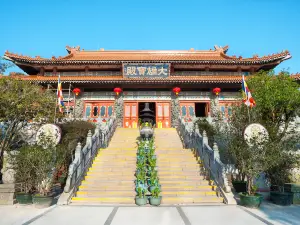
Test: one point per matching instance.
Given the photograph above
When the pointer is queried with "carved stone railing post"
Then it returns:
(89, 143)
(205, 138)
(216, 151)
(78, 158)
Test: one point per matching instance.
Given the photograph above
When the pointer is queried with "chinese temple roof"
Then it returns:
(296, 76)
(121, 79)
(224, 79)
(216, 56)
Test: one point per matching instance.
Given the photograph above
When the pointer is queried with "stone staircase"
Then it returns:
(180, 172)
(111, 178)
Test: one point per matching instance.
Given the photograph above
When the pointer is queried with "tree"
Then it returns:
(4, 66)
(21, 102)
(277, 105)
(277, 101)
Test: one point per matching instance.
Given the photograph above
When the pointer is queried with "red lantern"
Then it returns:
(217, 91)
(176, 90)
(76, 91)
(117, 90)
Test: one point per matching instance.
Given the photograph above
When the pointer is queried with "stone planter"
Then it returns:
(42, 201)
(293, 188)
(155, 201)
(251, 201)
(24, 198)
(141, 201)
(281, 198)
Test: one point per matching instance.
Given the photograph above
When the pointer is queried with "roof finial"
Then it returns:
(221, 49)
(72, 49)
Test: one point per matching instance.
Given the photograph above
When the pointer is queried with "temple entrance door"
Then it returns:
(130, 114)
(163, 115)
(187, 109)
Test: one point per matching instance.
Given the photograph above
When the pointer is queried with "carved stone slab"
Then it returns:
(51, 131)
(255, 132)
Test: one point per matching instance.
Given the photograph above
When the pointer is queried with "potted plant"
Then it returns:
(251, 198)
(279, 174)
(140, 198)
(24, 176)
(155, 199)
(153, 179)
(43, 161)
(43, 198)
(279, 197)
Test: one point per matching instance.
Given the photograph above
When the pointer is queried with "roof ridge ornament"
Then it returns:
(221, 49)
(72, 49)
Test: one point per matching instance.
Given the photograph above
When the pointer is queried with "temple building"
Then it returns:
(132, 84)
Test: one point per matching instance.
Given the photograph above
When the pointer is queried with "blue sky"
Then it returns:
(249, 27)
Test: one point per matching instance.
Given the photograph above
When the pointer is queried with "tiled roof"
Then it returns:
(217, 56)
(296, 76)
(120, 79)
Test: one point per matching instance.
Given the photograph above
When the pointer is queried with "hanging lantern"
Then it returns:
(117, 90)
(176, 90)
(76, 91)
(217, 91)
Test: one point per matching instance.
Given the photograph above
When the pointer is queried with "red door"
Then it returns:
(163, 115)
(131, 115)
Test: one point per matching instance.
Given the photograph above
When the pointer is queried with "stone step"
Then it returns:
(183, 182)
(175, 165)
(112, 164)
(178, 173)
(106, 187)
(116, 154)
(110, 173)
(177, 160)
(196, 193)
(178, 168)
(191, 200)
(184, 187)
(100, 168)
(103, 194)
(105, 178)
(115, 160)
(171, 156)
(107, 182)
(112, 178)
(182, 177)
(108, 200)
(109, 169)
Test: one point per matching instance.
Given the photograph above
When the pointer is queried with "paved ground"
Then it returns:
(15, 214)
(184, 215)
